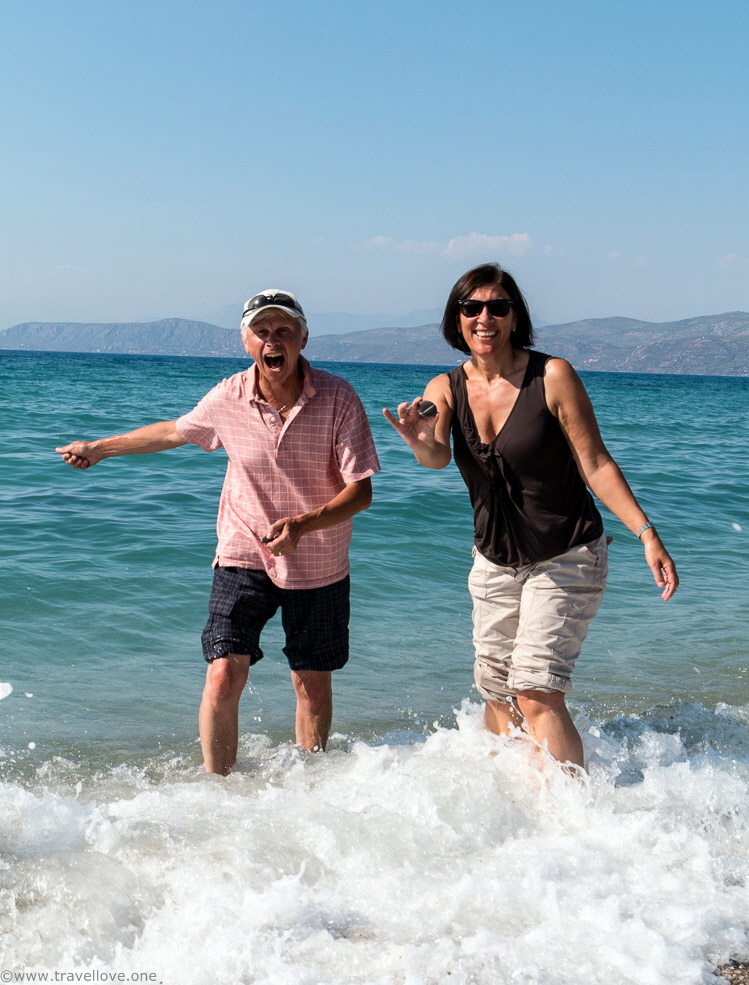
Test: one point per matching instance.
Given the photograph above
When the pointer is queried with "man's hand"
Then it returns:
(80, 454)
(283, 536)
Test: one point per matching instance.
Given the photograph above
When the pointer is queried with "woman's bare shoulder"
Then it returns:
(559, 369)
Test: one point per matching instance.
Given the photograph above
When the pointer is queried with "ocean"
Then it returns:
(420, 849)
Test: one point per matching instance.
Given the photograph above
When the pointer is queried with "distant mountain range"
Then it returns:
(715, 345)
(333, 322)
(168, 337)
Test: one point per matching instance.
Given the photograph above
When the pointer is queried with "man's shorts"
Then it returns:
(529, 623)
(315, 620)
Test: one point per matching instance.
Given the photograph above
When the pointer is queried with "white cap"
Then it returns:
(273, 298)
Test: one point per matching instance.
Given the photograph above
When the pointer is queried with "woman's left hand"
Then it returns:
(661, 564)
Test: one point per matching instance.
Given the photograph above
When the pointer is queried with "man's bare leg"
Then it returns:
(548, 720)
(314, 707)
(218, 717)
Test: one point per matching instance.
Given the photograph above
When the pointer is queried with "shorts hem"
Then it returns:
(328, 665)
(510, 694)
(223, 648)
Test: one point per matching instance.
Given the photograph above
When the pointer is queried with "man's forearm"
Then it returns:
(352, 499)
(284, 535)
(143, 441)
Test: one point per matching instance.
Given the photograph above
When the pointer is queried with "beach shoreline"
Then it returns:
(736, 972)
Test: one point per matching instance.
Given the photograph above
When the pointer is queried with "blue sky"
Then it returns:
(169, 158)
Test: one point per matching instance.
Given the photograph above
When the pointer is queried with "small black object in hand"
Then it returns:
(426, 408)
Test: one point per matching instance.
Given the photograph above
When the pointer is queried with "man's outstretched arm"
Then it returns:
(142, 441)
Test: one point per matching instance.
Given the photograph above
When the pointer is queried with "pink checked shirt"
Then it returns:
(279, 469)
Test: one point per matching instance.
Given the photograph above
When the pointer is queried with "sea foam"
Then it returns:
(457, 856)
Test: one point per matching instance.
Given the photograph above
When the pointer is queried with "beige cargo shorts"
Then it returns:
(529, 623)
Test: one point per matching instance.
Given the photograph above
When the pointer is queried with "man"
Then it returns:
(300, 461)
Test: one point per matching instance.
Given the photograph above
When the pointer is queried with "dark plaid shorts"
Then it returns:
(315, 620)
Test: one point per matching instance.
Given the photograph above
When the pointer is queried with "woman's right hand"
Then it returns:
(427, 437)
(410, 425)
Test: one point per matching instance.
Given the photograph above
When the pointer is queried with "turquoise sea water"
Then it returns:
(419, 843)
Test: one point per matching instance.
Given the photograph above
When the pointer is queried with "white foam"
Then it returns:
(453, 859)
(5, 690)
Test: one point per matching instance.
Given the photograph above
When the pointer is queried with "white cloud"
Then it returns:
(732, 261)
(416, 246)
(477, 245)
(406, 245)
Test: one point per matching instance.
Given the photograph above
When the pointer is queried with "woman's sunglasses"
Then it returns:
(499, 307)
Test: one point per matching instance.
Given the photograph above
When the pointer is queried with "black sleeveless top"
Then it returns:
(529, 500)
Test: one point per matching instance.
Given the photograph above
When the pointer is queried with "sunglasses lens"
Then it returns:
(261, 300)
(471, 308)
(499, 308)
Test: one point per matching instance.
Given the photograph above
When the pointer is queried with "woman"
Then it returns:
(526, 441)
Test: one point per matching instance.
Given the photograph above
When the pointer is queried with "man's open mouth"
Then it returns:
(274, 360)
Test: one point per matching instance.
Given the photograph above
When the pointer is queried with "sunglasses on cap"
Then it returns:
(498, 307)
(279, 300)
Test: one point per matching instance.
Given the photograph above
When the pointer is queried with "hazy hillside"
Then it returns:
(170, 336)
(714, 344)
(423, 344)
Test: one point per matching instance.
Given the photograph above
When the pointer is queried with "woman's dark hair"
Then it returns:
(487, 275)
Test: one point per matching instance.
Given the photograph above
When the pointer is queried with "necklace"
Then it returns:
(285, 407)
(280, 410)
